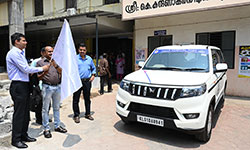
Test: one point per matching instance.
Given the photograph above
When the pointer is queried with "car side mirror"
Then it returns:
(140, 64)
(221, 67)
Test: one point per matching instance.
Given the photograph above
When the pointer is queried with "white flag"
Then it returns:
(65, 56)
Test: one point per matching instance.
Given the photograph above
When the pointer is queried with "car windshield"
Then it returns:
(179, 60)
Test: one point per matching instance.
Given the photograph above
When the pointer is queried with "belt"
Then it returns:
(16, 81)
(85, 79)
(51, 84)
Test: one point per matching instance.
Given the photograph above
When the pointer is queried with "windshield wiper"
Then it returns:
(191, 69)
(150, 68)
(171, 68)
(174, 68)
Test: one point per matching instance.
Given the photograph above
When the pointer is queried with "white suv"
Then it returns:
(178, 87)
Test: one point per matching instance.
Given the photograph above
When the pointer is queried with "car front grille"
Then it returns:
(154, 92)
(164, 112)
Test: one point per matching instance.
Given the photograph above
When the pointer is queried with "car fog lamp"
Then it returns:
(191, 116)
(120, 104)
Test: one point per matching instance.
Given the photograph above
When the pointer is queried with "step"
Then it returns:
(3, 76)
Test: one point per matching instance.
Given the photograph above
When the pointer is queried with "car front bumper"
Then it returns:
(179, 107)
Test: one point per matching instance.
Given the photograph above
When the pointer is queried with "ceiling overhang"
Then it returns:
(83, 25)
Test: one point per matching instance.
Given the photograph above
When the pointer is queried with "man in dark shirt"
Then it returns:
(51, 90)
(34, 84)
(104, 74)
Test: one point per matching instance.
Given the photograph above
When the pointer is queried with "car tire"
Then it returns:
(205, 135)
(223, 96)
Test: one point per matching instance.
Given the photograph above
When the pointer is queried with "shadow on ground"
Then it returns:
(163, 135)
(71, 140)
(82, 114)
(36, 132)
(158, 134)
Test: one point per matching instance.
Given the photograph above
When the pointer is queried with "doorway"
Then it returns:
(224, 40)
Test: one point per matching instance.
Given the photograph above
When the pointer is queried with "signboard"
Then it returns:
(160, 32)
(244, 62)
(139, 55)
(133, 9)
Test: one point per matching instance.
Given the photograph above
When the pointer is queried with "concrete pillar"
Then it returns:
(16, 17)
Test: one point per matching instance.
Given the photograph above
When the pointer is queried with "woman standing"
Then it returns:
(120, 62)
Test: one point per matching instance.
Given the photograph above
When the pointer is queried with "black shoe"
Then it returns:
(28, 139)
(19, 144)
(50, 120)
(47, 134)
(60, 129)
(101, 93)
(89, 117)
(76, 119)
(110, 90)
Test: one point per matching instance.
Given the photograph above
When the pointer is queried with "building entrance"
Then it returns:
(114, 46)
(4, 42)
(224, 40)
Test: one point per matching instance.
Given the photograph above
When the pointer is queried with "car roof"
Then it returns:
(187, 47)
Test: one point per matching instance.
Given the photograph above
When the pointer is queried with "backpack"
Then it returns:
(36, 98)
(102, 70)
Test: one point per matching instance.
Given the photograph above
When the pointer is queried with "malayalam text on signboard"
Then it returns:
(140, 8)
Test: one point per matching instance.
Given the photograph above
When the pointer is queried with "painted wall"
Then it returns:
(184, 27)
(56, 8)
(4, 14)
(29, 9)
(95, 5)
(52, 7)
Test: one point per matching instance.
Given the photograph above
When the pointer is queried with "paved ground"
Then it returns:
(107, 132)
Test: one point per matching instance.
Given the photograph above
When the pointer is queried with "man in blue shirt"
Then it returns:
(18, 71)
(87, 73)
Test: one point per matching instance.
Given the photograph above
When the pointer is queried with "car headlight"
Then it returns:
(193, 91)
(125, 85)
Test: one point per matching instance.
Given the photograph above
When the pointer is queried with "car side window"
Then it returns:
(221, 57)
(216, 57)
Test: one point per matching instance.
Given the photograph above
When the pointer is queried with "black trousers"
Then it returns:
(19, 92)
(86, 87)
(102, 80)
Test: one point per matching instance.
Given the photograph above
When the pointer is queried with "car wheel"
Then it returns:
(222, 102)
(223, 97)
(205, 135)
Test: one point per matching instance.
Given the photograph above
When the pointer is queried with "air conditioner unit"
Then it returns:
(71, 11)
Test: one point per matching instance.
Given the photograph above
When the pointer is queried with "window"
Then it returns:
(71, 4)
(111, 1)
(156, 41)
(224, 40)
(38, 7)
